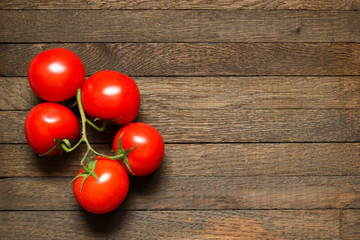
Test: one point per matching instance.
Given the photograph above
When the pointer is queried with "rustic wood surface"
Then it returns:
(258, 102)
(249, 224)
(185, 4)
(169, 26)
(244, 160)
(198, 59)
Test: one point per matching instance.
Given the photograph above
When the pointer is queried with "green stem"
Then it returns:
(82, 113)
(89, 166)
(84, 120)
(52, 149)
(100, 129)
(84, 157)
(66, 149)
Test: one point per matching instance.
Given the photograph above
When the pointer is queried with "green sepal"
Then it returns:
(124, 153)
(116, 119)
(82, 183)
(89, 170)
(51, 150)
(78, 176)
(70, 105)
(62, 145)
(121, 148)
(126, 162)
(128, 151)
(64, 141)
(101, 128)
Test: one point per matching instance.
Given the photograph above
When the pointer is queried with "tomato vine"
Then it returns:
(65, 145)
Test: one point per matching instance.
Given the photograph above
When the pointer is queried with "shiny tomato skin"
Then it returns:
(108, 193)
(47, 122)
(111, 95)
(147, 156)
(55, 74)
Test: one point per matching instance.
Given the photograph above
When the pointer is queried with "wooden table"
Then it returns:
(258, 102)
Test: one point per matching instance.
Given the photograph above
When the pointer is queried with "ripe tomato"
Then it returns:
(111, 95)
(149, 151)
(47, 122)
(107, 193)
(55, 75)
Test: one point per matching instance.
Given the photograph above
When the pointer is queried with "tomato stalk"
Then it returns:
(84, 139)
(65, 145)
(100, 129)
(89, 166)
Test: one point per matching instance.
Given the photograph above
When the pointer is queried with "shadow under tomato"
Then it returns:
(140, 188)
(146, 184)
(106, 136)
(104, 224)
(53, 165)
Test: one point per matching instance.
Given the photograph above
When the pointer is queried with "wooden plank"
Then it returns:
(350, 224)
(301, 159)
(218, 92)
(165, 192)
(317, 224)
(185, 4)
(17, 94)
(178, 26)
(197, 59)
(224, 125)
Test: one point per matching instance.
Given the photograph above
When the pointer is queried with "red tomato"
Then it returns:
(147, 156)
(107, 193)
(47, 122)
(111, 95)
(56, 74)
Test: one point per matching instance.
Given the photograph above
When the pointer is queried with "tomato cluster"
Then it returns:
(102, 183)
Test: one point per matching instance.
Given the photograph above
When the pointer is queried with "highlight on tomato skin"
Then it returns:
(149, 149)
(105, 194)
(111, 95)
(55, 75)
(47, 122)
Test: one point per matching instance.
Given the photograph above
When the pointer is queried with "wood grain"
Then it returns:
(258, 102)
(178, 26)
(316, 224)
(185, 4)
(218, 92)
(197, 59)
(164, 192)
(350, 224)
(224, 125)
(220, 160)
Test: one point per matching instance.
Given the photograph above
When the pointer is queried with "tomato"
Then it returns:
(47, 122)
(55, 75)
(107, 193)
(147, 156)
(111, 95)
